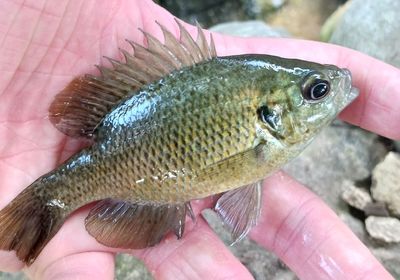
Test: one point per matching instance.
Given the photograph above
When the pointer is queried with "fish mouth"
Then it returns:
(353, 94)
(350, 93)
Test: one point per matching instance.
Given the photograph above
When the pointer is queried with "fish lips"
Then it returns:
(350, 93)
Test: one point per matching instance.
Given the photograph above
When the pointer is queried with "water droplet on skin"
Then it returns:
(56, 203)
(141, 181)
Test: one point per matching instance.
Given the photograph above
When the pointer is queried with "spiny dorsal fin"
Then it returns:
(80, 107)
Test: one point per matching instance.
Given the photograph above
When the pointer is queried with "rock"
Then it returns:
(267, 7)
(397, 145)
(303, 18)
(371, 27)
(340, 152)
(386, 182)
(210, 12)
(252, 28)
(356, 197)
(331, 23)
(385, 229)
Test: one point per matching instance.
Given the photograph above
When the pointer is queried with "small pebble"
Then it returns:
(386, 229)
(386, 182)
(356, 197)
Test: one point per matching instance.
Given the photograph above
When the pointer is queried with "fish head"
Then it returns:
(306, 97)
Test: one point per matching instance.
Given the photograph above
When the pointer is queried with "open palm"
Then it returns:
(44, 44)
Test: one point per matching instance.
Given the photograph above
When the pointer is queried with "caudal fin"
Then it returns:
(27, 224)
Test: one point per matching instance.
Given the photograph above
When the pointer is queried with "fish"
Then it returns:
(171, 123)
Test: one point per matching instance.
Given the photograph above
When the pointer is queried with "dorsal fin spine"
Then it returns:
(139, 63)
(145, 55)
(172, 43)
(156, 47)
(190, 44)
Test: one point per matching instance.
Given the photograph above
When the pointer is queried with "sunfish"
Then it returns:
(173, 123)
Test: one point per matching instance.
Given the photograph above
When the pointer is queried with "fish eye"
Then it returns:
(315, 87)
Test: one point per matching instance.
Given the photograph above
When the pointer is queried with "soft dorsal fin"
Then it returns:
(80, 107)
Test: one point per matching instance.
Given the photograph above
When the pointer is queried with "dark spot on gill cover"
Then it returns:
(267, 116)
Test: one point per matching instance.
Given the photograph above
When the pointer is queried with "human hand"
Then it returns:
(45, 44)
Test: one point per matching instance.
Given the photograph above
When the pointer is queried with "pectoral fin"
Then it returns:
(122, 224)
(240, 209)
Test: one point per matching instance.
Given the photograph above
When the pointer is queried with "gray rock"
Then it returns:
(331, 23)
(397, 145)
(340, 152)
(385, 229)
(303, 18)
(266, 8)
(356, 197)
(386, 182)
(371, 27)
(252, 28)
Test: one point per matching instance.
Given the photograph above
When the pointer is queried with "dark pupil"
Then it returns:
(319, 90)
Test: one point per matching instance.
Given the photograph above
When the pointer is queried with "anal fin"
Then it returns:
(122, 224)
(240, 209)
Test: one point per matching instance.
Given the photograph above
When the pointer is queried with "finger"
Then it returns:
(85, 265)
(309, 237)
(199, 255)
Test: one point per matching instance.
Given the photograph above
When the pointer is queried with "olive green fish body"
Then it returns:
(188, 126)
(168, 142)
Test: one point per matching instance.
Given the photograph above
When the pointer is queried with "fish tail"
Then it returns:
(28, 223)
